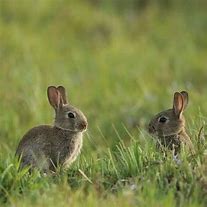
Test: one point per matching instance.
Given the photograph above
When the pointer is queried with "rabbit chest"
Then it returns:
(67, 148)
(171, 142)
(72, 149)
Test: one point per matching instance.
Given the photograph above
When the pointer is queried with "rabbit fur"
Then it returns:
(47, 147)
(169, 125)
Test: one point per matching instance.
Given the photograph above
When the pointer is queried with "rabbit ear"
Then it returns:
(178, 104)
(61, 89)
(185, 98)
(54, 97)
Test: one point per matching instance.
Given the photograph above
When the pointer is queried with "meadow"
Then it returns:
(121, 62)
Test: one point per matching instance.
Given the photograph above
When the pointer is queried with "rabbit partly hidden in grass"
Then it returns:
(169, 126)
(46, 147)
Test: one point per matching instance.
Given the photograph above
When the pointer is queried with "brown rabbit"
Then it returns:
(46, 147)
(169, 125)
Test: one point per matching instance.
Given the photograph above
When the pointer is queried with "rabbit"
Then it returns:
(169, 125)
(46, 147)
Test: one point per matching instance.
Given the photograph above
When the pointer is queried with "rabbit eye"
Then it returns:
(162, 119)
(71, 115)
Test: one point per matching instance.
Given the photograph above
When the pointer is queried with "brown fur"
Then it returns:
(46, 146)
(171, 133)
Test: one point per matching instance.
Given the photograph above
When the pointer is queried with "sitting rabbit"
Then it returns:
(45, 146)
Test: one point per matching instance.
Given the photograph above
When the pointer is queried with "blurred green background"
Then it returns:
(119, 60)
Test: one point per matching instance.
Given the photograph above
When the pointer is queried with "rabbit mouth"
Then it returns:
(82, 126)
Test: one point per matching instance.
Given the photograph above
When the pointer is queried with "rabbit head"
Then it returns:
(67, 117)
(171, 121)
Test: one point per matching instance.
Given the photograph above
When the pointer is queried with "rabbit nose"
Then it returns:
(83, 125)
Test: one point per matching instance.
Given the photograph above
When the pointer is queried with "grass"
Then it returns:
(120, 63)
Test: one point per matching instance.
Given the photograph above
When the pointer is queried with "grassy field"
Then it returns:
(121, 62)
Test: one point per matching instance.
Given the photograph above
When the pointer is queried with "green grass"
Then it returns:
(120, 63)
